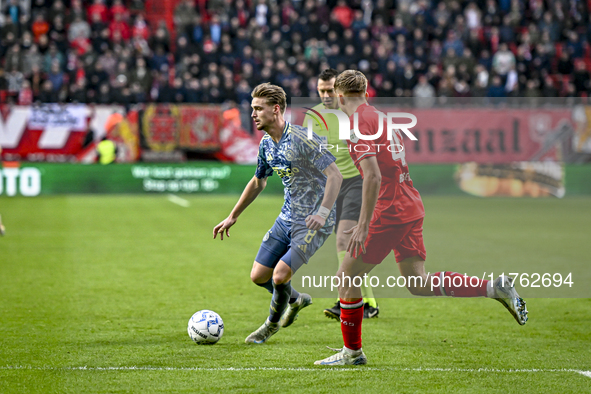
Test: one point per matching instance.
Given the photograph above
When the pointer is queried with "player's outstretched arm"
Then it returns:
(372, 179)
(250, 193)
(331, 192)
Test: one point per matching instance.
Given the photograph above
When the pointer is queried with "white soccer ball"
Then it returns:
(205, 327)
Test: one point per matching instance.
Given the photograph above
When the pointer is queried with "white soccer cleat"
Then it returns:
(344, 357)
(291, 312)
(506, 294)
(263, 333)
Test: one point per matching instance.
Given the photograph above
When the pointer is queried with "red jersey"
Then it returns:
(398, 201)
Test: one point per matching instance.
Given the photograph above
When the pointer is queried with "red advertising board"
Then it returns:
(486, 136)
(480, 135)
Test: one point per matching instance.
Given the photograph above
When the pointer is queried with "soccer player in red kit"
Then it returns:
(392, 219)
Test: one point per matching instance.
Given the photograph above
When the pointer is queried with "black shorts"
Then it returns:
(349, 200)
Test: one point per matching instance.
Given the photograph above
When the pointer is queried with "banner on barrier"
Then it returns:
(461, 133)
(52, 132)
(199, 127)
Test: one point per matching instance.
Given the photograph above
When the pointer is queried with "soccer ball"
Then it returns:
(205, 327)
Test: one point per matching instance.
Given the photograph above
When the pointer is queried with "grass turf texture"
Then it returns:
(112, 281)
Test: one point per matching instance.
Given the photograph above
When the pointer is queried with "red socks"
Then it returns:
(351, 318)
(458, 285)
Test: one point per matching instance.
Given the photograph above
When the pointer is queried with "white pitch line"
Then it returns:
(335, 369)
(178, 201)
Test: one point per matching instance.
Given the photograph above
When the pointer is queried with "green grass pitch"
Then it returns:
(96, 293)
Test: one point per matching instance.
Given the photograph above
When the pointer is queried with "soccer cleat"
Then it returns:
(263, 333)
(344, 357)
(2, 228)
(334, 312)
(291, 312)
(369, 311)
(506, 294)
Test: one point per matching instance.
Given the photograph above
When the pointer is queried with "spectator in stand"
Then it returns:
(57, 9)
(14, 58)
(581, 78)
(58, 34)
(161, 37)
(15, 81)
(31, 59)
(38, 6)
(424, 93)
(99, 8)
(118, 8)
(503, 60)
(136, 7)
(184, 15)
(140, 28)
(56, 76)
(104, 94)
(159, 59)
(531, 89)
(549, 89)
(565, 65)
(550, 25)
(77, 92)
(343, 14)
(39, 26)
(14, 11)
(364, 35)
(77, 10)
(118, 27)
(47, 94)
(574, 46)
(53, 55)
(108, 62)
(138, 94)
(496, 89)
(79, 30)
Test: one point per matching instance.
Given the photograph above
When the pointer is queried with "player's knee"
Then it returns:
(256, 278)
(342, 240)
(415, 290)
(259, 277)
(281, 277)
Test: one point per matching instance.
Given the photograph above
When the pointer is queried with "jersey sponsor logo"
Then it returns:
(289, 154)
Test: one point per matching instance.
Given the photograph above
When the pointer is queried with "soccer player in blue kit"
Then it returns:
(312, 182)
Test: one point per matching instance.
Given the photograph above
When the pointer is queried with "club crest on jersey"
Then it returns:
(289, 154)
(353, 137)
(266, 237)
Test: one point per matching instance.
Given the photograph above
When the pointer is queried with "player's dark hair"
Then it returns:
(328, 74)
(273, 93)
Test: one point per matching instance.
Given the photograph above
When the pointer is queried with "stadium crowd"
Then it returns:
(104, 51)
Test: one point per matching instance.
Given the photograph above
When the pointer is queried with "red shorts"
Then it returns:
(406, 240)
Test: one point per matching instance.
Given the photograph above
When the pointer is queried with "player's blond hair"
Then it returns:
(351, 82)
(273, 93)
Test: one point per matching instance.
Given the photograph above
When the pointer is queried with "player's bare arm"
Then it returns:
(331, 192)
(372, 179)
(250, 193)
